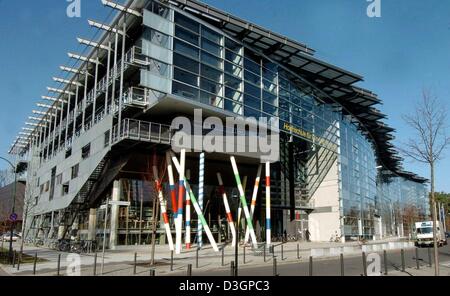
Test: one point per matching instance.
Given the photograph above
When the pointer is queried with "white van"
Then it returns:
(423, 234)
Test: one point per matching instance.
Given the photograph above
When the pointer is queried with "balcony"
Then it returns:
(136, 97)
(144, 131)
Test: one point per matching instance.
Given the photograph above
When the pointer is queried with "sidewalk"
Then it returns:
(121, 260)
(444, 270)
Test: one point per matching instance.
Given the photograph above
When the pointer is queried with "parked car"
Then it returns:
(447, 234)
(7, 237)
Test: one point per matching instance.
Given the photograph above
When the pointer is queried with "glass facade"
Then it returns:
(213, 69)
(369, 194)
(358, 184)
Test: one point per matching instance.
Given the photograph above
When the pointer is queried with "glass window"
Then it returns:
(233, 46)
(210, 86)
(252, 102)
(233, 69)
(211, 35)
(296, 100)
(233, 94)
(59, 179)
(249, 112)
(186, 35)
(184, 90)
(185, 77)
(86, 151)
(252, 90)
(253, 78)
(186, 63)
(186, 49)
(272, 110)
(284, 115)
(68, 152)
(159, 68)
(233, 82)
(187, 23)
(233, 107)
(156, 37)
(233, 57)
(211, 47)
(211, 99)
(159, 9)
(211, 60)
(252, 66)
(270, 98)
(270, 76)
(269, 86)
(106, 139)
(211, 73)
(75, 170)
(284, 83)
(65, 189)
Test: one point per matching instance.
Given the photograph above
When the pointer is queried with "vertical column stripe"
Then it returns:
(162, 204)
(244, 201)
(197, 208)
(171, 184)
(227, 209)
(254, 196)
(268, 206)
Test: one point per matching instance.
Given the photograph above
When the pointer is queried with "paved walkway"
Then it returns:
(120, 262)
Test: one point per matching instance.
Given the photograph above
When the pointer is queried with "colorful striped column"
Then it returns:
(181, 194)
(187, 237)
(162, 204)
(254, 196)
(268, 223)
(197, 208)
(171, 184)
(244, 186)
(201, 184)
(227, 209)
(244, 202)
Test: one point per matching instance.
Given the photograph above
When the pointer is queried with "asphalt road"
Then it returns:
(353, 266)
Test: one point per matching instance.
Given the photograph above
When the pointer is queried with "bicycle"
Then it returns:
(64, 245)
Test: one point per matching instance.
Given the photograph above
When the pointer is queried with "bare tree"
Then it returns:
(429, 122)
(6, 177)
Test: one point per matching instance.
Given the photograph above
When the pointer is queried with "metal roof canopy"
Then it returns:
(275, 46)
(336, 82)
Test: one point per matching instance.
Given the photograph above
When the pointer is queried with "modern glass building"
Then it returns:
(108, 122)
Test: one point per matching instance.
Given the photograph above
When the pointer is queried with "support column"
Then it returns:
(75, 111)
(92, 227)
(69, 101)
(61, 229)
(94, 103)
(114, 227)
(84, 102)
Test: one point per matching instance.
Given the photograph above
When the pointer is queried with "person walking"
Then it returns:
(308, 235)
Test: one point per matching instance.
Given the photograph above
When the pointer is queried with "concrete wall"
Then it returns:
(324, 221)
(94, 136)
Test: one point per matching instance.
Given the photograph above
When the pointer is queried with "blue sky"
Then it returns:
(399, 54)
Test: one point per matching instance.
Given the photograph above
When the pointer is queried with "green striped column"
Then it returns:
(244, 202)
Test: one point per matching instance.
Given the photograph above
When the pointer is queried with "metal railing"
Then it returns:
(132, 97)
(142, 131)
(136, 96)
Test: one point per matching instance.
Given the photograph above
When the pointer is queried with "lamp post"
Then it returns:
(13, 207)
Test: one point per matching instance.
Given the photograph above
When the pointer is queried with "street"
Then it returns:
(353, 266)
